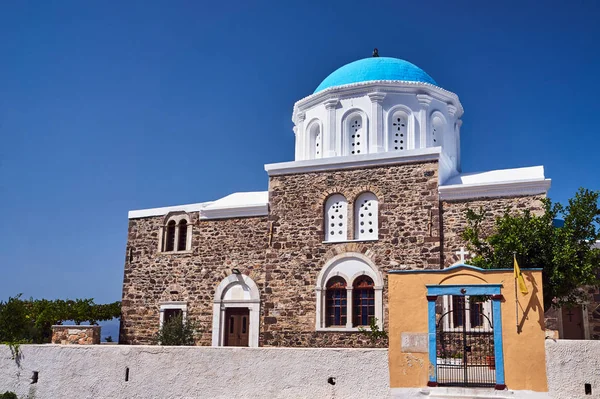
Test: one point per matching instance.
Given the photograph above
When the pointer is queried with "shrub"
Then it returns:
(177, 332)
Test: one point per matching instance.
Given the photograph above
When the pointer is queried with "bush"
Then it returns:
(177, 332)
(8, 395)
(31, 320)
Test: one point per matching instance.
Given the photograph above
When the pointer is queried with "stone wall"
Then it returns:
(158, 372)
(284, 252)
(593, 308)
(285, 267)
(454, 220)
(152, 277)
(408, 238)
(76, 335)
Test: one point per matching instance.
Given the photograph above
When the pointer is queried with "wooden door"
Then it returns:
(572, 321)
(237, 325)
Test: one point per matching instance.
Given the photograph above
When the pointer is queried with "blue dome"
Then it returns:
(375, 68)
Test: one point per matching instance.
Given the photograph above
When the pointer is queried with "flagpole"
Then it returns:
(516, 296)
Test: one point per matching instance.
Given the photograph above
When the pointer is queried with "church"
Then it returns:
(375, 185)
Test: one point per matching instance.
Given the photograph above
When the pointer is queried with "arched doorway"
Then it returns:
(236, 312)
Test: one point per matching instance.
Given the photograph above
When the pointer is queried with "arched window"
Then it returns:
(356, 135)
(366, 217)
(437, 130)
(315, 137)
(349, 293)
(336, 218)
(398, 132)
(176, 234)
(335, 303)
(169, 238)
(363, 293)
(182, 242)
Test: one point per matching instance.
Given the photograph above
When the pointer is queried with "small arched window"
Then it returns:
(356, 134)
(315, 138)
(366, 217)
(364, 301)
(398, 132)
(437, 130)
(336, 303)
(336, 218)
(176, 234)
(169, 239)
(182, 242)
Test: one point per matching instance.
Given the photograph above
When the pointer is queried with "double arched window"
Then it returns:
(349, 293)
(176, 234)
(366, 217)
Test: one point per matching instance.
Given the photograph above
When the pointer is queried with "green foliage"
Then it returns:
(565, 254)
(177, 332)
(30, 321)
(374, 333)
(8, 395)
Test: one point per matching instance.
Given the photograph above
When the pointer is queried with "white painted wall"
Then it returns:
(570, 364)
(155, 372)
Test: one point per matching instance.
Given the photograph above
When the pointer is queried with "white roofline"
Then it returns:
(234, 207)
(143, 213)
(353, 161)
(495, 189)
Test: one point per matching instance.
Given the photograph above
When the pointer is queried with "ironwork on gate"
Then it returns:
(465, 344)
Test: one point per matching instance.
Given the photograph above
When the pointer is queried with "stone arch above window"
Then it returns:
(366, 217)
(399, 129)
(336, 218)
(176, 234)
(315, 139)
(353, 269)
(355, 133)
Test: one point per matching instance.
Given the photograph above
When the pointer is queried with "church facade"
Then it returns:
(376, 185)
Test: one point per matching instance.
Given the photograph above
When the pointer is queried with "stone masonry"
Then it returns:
(285, 265)
(76, 335)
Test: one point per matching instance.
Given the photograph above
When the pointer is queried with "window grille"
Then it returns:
(363, 295)
(335, 303)
(366, 217)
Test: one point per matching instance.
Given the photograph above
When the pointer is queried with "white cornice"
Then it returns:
(382, 86)
(499, 189)
(353, 161)
(143, 213)
(235, 212)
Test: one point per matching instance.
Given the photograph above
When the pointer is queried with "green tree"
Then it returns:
(31, 320)
(177, 332)
(566, 254)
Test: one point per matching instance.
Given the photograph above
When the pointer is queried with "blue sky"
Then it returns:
(107, 107)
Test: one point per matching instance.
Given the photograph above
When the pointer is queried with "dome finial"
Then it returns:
(375, 52)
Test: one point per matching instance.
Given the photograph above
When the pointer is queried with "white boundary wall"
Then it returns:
(570, 365)
(155, 372)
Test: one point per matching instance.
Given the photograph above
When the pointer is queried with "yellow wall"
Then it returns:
(524, 352)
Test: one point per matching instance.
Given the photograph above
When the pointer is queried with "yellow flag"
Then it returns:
(519, 278)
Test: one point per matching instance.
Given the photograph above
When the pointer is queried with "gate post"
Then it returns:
(432, 340)
(498, 343)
